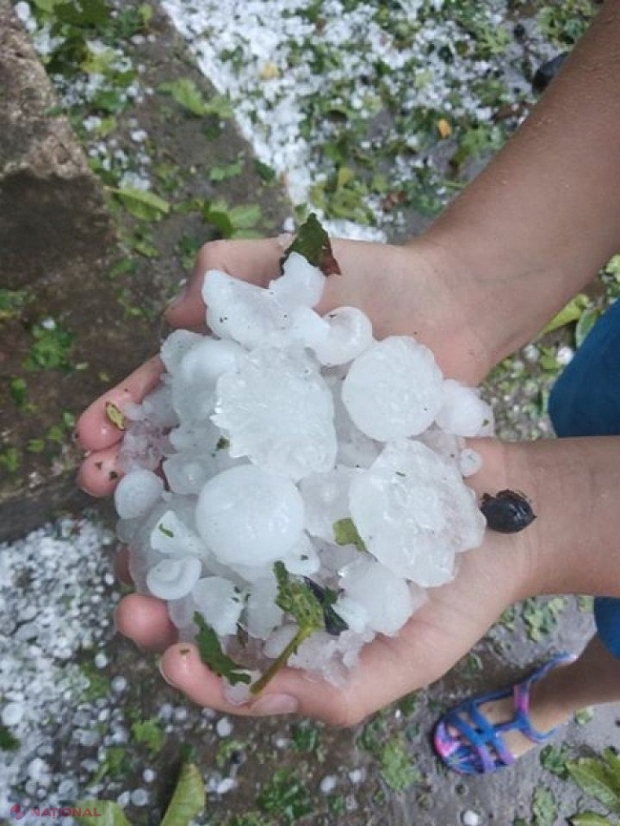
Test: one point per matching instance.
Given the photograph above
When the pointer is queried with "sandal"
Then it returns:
(478, 747)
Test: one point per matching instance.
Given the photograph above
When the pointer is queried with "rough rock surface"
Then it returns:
(55, 237)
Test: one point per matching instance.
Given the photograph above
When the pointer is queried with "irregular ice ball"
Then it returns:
(414, 512)
(462, 411)
(277, 410)
(385, 597)
(393, 389)
(173, 578)
(349, 334)
(326, 500)
(249, 516)
(219, 602)
(241, 311)
(175, 346)
(300, 283)
(136, 493)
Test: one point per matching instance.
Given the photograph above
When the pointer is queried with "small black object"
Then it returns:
(507, 511)
(545, 73)
(334, 624)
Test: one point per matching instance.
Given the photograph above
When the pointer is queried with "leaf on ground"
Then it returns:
(185, 92)
(571, 312)
(100, 812)
(588, 819)
(142, 203)
(598, 780)
(188, 799)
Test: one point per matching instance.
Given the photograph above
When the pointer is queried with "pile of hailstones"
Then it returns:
(266, 434)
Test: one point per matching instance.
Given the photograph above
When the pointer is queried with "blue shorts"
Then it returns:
(585, 401)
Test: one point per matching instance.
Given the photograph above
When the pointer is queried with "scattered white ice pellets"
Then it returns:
(262, 614)
(393, 389)
(173, 578)
(414, 512)
(350, 333)
(219, 602)
(172, 537)
(326, 500)
(250, 516)
(385, 597)
(462, 411)
(278, 411)
(12, 713)
(300, 282)
(136, 493)
(176, 345)
(241, 311)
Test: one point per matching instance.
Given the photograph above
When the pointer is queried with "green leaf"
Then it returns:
(211, 654)
(588, 819)
(571, 312)
(8, 742)
(149, 733)
(586, 321)
(313, 243)
(188, 799)
(345, 533)
(296, 598)
(185, 92)
(142, 203)
(101, 813)
(115, 415)
(596, 779)
(397, 767)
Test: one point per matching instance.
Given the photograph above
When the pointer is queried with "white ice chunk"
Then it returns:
(172, 537)
(278, 411)
(326, 500)
(470, 462)
(187, 473)
(300, 283)
(393, 389)
(136, 493)
(462, 411)
(262, 613)
(350, 333)
(385, 597)
(157, 407)
(176, 346)
(352, 612)
(241, 311)
(249, 516)
(173, 578)
(219, 602)
(414, 512)
(302, 559)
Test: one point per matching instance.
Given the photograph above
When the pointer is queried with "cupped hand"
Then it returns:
(404, 290)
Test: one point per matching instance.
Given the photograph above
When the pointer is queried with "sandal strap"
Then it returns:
(482, 736)
(522, 700)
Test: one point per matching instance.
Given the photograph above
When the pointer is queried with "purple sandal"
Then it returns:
(478, 747)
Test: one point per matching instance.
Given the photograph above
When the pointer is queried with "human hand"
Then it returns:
(404, 290)
(442, 631)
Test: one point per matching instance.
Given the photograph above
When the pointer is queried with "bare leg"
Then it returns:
(593, 679)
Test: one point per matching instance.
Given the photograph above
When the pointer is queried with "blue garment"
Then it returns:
(585, 401)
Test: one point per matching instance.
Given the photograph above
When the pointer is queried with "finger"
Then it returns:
(145, 620)
(94, 430)
(256, 261)
(99, 473)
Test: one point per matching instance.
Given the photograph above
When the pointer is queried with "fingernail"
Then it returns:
(165, 677)
(275, 704)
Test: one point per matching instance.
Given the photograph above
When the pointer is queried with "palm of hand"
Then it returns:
(398, 288)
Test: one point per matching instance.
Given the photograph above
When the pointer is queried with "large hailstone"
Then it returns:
(277, 410)
(137, 492)
(249, 516)
(393, 389)
(414, 512)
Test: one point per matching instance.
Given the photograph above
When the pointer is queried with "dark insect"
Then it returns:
(507, 511)
(545, 73)
(334, 624)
